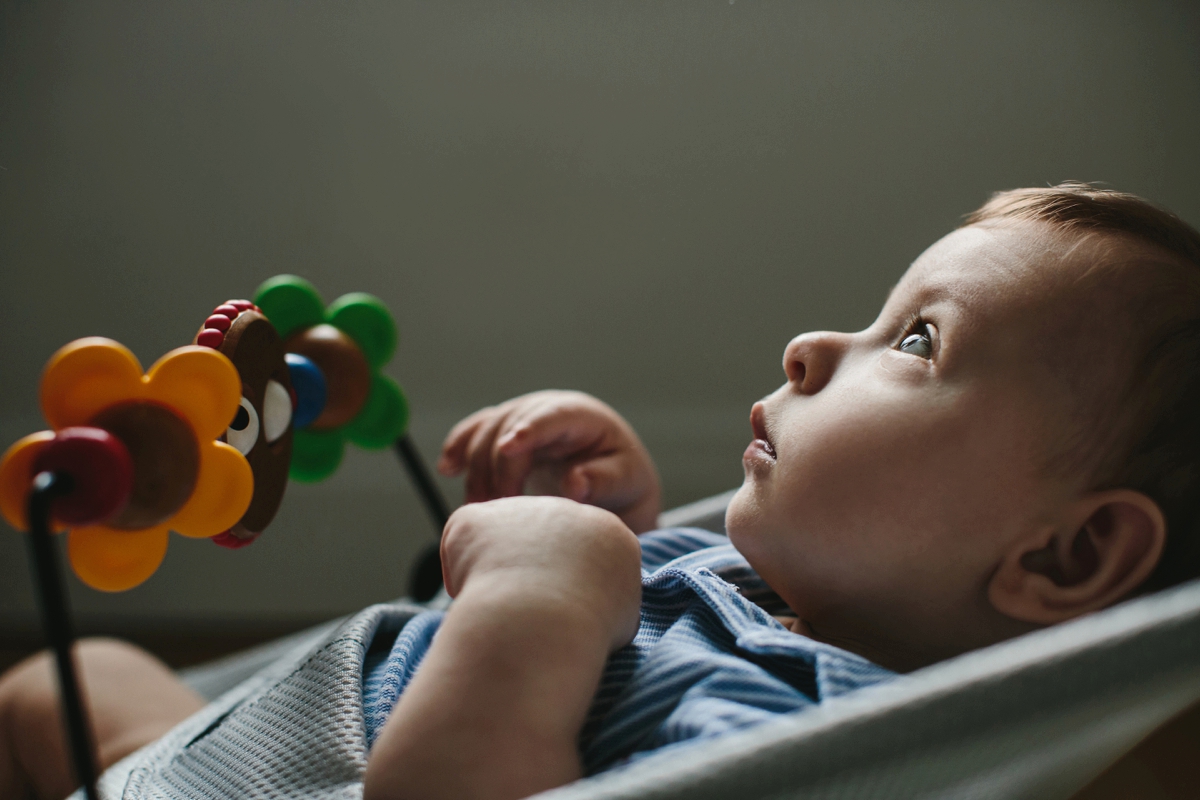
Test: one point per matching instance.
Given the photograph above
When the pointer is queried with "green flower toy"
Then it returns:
(334, 355)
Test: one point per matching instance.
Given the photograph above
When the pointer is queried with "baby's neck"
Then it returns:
(795, 625)
(896, 659)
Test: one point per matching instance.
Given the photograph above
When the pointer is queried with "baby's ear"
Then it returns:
(1108, 544)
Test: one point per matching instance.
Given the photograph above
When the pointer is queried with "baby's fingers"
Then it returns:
(480, 484)
(509, 470)
(551, 433)
(618, 483)
(454, 448)
(517, 442)
(606, 481)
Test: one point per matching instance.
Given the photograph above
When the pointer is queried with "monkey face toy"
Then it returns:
(261, 429)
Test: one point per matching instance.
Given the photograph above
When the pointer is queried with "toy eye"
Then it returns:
(242, 433)
(277, 411)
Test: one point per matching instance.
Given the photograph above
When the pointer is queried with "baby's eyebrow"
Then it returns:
(926, 295)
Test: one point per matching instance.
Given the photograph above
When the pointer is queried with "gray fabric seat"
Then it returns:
(1034, 717)
(293, 729)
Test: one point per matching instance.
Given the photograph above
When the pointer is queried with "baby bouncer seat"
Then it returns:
(1034, 717)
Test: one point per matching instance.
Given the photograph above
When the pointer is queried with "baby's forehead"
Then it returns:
(1024, 269)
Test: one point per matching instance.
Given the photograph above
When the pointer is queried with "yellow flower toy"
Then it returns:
(141, 452)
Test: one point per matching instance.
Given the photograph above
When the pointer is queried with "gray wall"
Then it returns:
(641, 200)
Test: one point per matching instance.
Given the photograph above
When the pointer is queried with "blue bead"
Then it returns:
(309, 384)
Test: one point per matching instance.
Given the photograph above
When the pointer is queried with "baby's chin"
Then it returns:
(742, 514)
(747, 527)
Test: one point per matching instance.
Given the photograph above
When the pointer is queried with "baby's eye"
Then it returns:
(918, 343)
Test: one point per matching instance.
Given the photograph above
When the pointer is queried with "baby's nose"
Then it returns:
(810, 359)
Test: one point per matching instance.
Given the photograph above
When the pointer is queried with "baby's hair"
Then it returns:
(1157, 449)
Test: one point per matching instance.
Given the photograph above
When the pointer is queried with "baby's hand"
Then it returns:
(562, 443)
(549, 552)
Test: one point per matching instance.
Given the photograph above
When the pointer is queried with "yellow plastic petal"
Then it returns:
(16, 470)
(112, 560)
(223, 492)
(199, 384)
(85, 377)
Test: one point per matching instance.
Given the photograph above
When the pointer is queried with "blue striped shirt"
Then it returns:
(708, 657)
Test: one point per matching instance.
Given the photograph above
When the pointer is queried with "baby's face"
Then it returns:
(895, 465)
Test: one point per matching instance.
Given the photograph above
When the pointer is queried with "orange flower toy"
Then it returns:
(138, 453)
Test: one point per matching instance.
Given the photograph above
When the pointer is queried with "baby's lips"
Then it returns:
(758, 422)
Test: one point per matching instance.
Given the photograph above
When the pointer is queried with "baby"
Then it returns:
(1013, 443)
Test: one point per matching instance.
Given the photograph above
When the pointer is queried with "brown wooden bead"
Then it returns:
(166, 461)
(347, 373)
(255, 348)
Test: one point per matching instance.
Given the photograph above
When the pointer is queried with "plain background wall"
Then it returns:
(641, 200)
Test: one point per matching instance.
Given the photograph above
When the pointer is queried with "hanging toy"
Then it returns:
(138, 454)
(334, 356)
(202, 444)
(336, 390)
(261, 427)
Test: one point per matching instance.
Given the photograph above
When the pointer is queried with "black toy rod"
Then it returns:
(431, 496)
(56, 621)
(426, 577)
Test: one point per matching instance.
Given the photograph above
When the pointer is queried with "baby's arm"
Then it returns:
(553, 442)
(545, 589)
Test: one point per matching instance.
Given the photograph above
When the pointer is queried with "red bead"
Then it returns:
(227, 539)
(226, 310)
(218, 322)
(210, 337)
(240, 305)
(100, 469)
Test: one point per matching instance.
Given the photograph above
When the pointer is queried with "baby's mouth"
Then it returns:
(758, 422)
